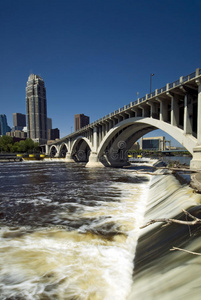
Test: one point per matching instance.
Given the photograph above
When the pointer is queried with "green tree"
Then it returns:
(15, 148)
(28, 145)
(6, 143)
(22, 146)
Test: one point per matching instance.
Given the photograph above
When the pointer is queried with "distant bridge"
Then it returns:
(174, 108)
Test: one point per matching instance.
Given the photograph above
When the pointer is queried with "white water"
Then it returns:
(52, 263)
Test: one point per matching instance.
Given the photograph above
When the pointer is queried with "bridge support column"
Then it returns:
(99, 134)
(46, 149)
(163, 115)
(174, 110)
(94, 161)
(95, 138)
(188, 112)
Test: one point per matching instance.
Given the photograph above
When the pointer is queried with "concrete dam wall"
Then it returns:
(160, 273)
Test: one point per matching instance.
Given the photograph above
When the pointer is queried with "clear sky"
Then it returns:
(94, 55)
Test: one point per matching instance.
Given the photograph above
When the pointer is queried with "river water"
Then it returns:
(68, 232)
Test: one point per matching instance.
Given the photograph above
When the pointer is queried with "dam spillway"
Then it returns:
(160, 273)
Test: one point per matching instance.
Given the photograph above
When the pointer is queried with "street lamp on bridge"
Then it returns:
(151, 75)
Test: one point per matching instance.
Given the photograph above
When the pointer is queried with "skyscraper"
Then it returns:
(3, 125)
(19, 121)
(36, 106)
(80, 121)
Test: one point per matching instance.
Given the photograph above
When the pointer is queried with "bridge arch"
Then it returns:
(121, 137)
(81, 149)
(54, 151)
(63, 149)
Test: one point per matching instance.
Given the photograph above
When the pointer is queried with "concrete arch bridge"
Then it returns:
(174, 108)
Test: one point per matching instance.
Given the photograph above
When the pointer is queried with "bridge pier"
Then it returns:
(196, 160)
(94, 161)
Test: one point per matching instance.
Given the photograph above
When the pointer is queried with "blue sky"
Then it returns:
(94, 55)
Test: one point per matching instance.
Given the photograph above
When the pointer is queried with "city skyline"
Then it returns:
(94, 56)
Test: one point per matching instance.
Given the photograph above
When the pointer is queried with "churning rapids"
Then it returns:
(70, 233)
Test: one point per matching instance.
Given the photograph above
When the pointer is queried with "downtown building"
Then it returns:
(19, 130)
(53, 134)
(36, 109)
(158, 143)
(4, 125)
(19, 121)
(80, 121)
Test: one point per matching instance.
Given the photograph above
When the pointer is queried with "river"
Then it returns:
(70, 233)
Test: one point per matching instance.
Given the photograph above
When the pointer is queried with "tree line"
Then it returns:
(7, 145)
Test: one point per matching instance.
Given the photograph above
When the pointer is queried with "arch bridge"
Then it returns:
(174, 108)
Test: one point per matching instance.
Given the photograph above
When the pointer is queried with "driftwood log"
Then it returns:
(195, 221)
(169, 221)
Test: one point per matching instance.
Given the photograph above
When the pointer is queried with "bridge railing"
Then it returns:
(188, 77)
(142, 99)
(161, 90)
(173, 84)
(151, 95)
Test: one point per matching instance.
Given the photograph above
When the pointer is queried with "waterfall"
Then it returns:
(158, 272)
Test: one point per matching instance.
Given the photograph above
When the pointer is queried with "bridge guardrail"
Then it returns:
(185, 78)
(192, 75)
(142, 99)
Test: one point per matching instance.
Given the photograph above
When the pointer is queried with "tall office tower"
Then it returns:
(80, 121)
(3, 125)
(36, 106)
(19, 121)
